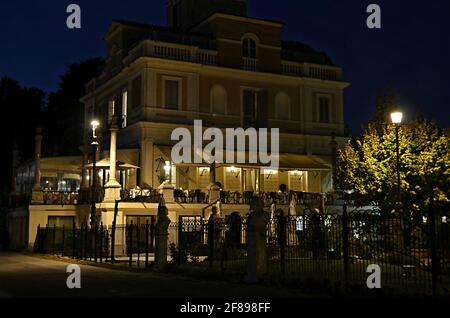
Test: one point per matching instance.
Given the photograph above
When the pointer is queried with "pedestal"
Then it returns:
(214, 193)
(257, 242)
(37, 197)
(167, 191)
(112, 192)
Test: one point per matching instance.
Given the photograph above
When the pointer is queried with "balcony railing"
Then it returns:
(323, 72)
(171, 51)
(194, 54)
(249, 64)
(60, 198)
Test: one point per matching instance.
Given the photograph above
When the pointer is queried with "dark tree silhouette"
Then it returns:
(64, 113)
(21, 109)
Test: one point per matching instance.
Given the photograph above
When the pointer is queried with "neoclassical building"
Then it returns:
(214, 63)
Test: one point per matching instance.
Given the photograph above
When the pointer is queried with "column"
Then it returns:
(257, 242)
(161, 236)
(112, 188)
(213, 189)
(334, 149)
(15, 162)
(37, 197)
(146, 162)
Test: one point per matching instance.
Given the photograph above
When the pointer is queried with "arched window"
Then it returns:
(218, 100)
(282, 106)
(249, 48)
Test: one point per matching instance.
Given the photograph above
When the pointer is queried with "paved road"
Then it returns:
(31, 277)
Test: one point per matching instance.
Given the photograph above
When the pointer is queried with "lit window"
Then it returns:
(111, 110)
(249, 48)
(124, 109)
(300, 224)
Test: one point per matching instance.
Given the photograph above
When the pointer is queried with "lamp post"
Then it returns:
(95, 124)
(397, 118)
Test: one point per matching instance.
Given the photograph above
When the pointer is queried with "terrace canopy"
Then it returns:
(287, 161)
(105, 163)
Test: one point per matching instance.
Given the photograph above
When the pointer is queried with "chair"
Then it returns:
(248, 196)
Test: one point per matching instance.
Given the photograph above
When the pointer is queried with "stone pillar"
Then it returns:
(256, 241)
(37, 196)
(258, 180)
(334, 149)
(213, 189)
(15, 163)
(161, 236)
(167, 189)
(112, 188)
(214, 193)
(146, 162)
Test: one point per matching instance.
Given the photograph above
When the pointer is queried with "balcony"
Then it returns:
(322, 72)
(250, 64)
(172, 51)
(194, 54)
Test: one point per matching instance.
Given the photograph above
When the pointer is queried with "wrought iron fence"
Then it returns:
(217, 243)
(85, 243)
(413, 254)
(341, 247)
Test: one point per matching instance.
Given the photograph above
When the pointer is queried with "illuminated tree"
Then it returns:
(367, 166)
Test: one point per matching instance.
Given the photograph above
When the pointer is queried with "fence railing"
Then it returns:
(60, 198)
(323, 72)
(250, 64)
(172, 51)
(413, 254)
(87, 243)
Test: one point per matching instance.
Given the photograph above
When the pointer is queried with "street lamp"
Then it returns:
(397, 118)
(168, 170)
(95, 124)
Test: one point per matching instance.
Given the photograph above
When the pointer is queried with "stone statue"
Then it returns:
(161, 235)
(256, 241)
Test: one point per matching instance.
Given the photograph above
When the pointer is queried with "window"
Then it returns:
(140, 220)
(60, 221)
(136, 91)
(172, 94)
(282, 106)
(250, 109)
(124, 109)
(218, 100)
(254, 108)
(249, 48)
(324, 109)
(111, 109)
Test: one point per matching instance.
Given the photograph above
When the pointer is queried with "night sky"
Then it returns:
(409, 56)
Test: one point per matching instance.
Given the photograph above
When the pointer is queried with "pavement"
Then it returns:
(23, 276)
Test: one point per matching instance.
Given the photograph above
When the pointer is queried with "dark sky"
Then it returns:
(409, 56)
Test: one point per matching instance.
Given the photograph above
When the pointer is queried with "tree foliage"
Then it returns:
(368, 166)
(21, 109)
(64, 114)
